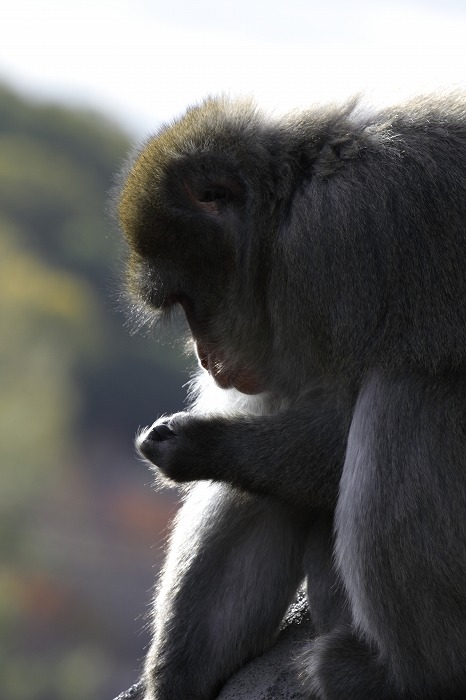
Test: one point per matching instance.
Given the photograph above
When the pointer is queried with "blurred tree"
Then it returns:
(48, 320)
(74, 386)
(57, 167)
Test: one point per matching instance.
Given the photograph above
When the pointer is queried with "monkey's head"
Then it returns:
(217, 217)
(314, 246)
(193, 229)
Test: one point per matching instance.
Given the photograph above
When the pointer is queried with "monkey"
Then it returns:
(320, 261)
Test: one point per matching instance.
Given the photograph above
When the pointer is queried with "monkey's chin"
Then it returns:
(225, 376)
(242, 382)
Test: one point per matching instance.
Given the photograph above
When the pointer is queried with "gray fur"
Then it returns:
(321, 262)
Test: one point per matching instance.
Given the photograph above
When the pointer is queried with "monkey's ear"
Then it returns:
(213, 196)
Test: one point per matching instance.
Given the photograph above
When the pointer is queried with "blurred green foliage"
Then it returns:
(71, 378)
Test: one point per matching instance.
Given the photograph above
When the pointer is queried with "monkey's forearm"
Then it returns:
(295, 456)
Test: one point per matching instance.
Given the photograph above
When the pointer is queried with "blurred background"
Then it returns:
(81, 530)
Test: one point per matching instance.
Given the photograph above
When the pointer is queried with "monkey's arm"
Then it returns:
(234, 564)
(295, 456)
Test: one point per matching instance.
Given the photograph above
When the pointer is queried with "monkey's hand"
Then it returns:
(180, 446)
(295, 455)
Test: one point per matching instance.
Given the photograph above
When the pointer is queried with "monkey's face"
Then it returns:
(190, 225)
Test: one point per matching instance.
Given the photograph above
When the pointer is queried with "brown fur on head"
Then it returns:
(186, 212)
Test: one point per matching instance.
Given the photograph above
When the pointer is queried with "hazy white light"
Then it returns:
(146, 63)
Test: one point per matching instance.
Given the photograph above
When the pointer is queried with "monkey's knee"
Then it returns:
(340, 665)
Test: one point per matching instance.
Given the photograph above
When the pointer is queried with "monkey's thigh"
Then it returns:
(401, 544)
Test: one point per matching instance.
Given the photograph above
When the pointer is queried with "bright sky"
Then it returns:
(144, 61)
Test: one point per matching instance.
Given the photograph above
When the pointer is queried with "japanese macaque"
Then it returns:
(320, 259)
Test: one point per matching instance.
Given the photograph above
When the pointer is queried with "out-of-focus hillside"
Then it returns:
(80, 528)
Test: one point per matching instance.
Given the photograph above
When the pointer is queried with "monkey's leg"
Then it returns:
(341, 665)
(401, 539)
(233, 566)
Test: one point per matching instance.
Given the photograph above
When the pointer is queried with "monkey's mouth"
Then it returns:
(213, 359)
(225, 376)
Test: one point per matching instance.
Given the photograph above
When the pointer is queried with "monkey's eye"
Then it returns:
(214, 194)
(212, 197)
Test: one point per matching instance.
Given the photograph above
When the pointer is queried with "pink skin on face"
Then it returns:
(226, 377)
